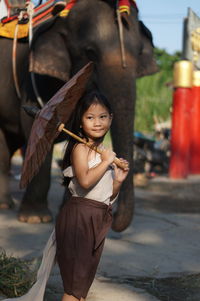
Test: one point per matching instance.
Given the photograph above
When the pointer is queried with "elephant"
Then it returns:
(60, 47)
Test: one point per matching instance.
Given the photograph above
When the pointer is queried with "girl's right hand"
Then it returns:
(108, 156)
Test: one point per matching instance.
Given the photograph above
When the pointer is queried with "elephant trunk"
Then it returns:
(118, 85)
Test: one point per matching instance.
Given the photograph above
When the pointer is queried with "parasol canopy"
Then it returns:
(45, 126)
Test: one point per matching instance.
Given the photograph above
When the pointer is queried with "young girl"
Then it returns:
(94, 182)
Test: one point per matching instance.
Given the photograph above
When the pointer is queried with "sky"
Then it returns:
(165, 20)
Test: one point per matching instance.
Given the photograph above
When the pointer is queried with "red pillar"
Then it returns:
(194, 158)
(180, 135)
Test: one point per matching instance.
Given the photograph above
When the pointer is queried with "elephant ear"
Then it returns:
(146, 61)
(49, 54)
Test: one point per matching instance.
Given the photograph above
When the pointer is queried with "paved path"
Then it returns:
(159, 243)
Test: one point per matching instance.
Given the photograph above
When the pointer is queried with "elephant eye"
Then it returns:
(91, 54)
(140, 49)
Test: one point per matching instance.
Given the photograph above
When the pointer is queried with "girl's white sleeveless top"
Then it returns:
(101, 191)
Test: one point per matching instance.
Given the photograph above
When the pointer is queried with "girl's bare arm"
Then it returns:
(88, 177)
(120, 176)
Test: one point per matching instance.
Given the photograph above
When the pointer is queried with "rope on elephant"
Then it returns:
(30, 11)
(121, 38)
(14, 55)
(14, 67)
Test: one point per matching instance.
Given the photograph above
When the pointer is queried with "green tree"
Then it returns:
(165, 60)
(154, 93)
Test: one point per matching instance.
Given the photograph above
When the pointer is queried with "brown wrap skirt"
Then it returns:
(81, 227)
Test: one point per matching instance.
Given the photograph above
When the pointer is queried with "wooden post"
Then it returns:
(180, 134)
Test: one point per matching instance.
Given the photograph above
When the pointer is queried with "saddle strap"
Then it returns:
(14, 67)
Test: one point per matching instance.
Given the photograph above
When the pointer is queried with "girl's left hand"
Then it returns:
(121, 174)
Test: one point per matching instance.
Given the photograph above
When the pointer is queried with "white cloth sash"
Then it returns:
(36, 292)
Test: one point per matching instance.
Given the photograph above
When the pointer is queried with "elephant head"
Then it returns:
(90, 33)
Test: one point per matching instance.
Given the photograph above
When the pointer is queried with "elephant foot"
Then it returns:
(34, 214)
(4, 206)
(7, 204)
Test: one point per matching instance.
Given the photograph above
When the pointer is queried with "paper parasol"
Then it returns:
(45, 126)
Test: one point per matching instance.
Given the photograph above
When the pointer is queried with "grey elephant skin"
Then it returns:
(60, 47)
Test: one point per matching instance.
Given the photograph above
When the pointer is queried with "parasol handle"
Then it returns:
(116, 160)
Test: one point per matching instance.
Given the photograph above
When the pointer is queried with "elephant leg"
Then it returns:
(34, 206)
(5, 157)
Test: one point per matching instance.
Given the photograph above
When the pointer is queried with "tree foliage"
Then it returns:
(165, 60)
(154, 93)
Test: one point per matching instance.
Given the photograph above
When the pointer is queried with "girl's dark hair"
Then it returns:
(76, 118)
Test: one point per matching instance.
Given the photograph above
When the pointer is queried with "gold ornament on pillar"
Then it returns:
(183, 74)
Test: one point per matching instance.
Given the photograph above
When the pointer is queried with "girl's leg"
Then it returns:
(70, 298)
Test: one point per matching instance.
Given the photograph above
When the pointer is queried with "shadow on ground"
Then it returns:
(182, 288)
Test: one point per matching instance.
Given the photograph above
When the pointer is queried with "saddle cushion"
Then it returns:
(7, 30)
(41, 14)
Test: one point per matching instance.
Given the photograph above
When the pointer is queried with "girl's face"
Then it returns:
(96, 121)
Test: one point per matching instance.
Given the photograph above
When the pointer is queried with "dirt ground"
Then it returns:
(182, 288)
(157, 255)
(165, 196)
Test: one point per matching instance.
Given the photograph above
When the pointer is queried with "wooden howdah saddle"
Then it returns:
(18, 13)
